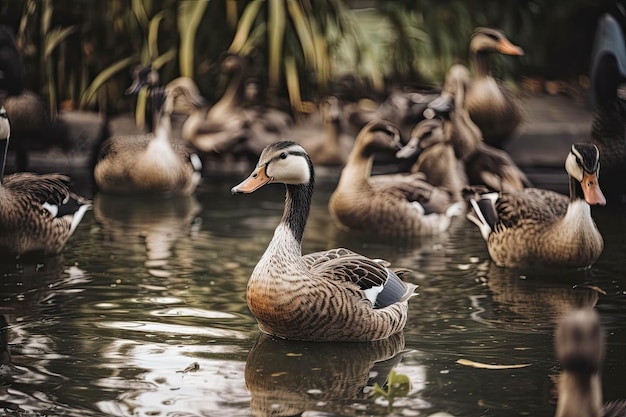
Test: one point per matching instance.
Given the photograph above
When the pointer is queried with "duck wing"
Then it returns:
(382, 286)
(530, 204)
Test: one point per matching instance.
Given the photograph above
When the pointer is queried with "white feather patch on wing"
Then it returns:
(78, 216)
(53, 209)
(195, 162)
(417, 206)
(372, 293)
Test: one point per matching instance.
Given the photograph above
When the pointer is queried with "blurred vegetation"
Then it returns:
(80, 53)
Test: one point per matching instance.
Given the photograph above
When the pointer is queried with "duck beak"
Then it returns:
(409, 150)
(507, 48)
(256, 180)
(591, 190)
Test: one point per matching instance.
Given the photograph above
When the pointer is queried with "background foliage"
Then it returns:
(80, 53)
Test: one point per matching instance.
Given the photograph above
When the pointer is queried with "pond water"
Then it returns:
(144, 314)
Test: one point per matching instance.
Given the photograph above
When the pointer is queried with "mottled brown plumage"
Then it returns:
(337, 295)
(37, 212)
(541, 227)
(394, 208)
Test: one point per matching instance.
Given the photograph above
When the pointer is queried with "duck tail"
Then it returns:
(395, 289)
(483, 213)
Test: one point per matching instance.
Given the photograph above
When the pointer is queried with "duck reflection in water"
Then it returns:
(287, 377)
(156, 225)
(523, 302)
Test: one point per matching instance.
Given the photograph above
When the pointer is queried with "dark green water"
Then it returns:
(146, 288)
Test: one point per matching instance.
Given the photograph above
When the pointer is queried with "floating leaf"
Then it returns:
(467, 362)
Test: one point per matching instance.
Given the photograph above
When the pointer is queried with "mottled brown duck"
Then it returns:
(492, 106)
(400, 207)
(38, 213)
(544, 228)
(579, 344)
(608, 91)
(334, 295)
(152, 163)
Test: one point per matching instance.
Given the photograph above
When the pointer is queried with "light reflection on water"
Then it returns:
(145, 288)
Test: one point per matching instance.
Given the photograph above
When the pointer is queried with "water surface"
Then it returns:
(144, 314)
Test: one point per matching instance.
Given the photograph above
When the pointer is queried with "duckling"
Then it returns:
(38, 213)
(150, 163)
(393, 208)
(492, 106)
(540, 227)
(579, 344)
(608, 94)
(334, 295)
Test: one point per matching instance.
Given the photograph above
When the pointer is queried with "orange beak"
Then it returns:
(256, 180)
(507, 48)
(591, 190)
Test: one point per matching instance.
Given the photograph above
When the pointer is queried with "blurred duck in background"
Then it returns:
(154, 163)
(492, 106)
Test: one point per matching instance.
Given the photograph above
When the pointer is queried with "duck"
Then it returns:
(394, 205)
(434, 156)
(152, 163)
(38, 213)
(608, 98)
(579, 344)
(332, 295)
(331, 146)
(541, 227)
(484, 164)
(492, 106)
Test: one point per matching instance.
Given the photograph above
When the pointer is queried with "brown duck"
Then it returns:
(334, 295)
(541, 227)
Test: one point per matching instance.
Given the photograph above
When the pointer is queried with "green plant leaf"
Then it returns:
(54, 38)
(153, 34)
(276, 32)
(88, 95)
(303, 30)
(190, 15)
(245, 23)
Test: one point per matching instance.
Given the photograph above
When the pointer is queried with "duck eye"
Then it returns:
(283, 155)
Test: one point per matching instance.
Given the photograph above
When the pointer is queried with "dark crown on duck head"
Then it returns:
(587, 156)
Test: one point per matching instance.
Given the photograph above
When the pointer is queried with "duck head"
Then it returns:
(378, 136)
(488, 40)
(583, 166)
(143, 75)
(425, 134)
(579, 342)
(283, 162)
(185, 95)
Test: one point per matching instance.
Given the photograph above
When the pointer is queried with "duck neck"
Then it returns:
(4, 148)
(233, 93)
(479, 63)
(580, 395)
(359, 166)
(297, 207)
(575, 190)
